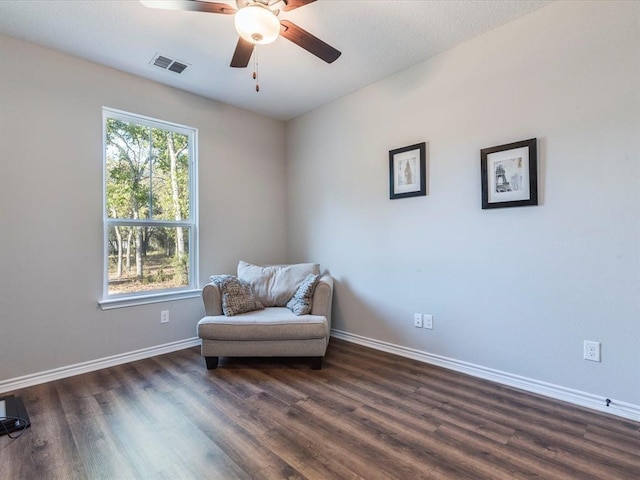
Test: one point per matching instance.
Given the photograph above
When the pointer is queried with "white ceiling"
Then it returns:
(376, 37)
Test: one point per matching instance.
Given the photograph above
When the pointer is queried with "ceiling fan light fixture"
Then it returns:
(257, 24)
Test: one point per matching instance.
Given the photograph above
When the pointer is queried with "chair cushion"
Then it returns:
(275, 323)
(301, 302)
(274, 285)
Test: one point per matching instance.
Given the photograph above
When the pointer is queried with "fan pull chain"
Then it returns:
(255, 65)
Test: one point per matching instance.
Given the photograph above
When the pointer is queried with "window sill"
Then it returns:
(132, 301)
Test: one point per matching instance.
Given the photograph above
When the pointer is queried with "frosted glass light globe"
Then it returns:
(257, 24)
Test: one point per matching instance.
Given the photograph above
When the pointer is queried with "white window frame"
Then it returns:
(110, 301)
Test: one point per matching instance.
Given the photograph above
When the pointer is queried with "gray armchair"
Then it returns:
(274, 331)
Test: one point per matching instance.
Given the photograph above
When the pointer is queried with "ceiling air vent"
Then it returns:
(177, 67)
(168, 63)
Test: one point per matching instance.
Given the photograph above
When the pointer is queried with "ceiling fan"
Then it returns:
(257, 23)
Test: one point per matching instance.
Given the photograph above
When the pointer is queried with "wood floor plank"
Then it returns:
(329, 440)
(613, 439)
(238, 444)
(51, 450)
(366, 415)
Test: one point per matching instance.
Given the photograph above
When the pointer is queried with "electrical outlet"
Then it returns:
(427, 321)
(592, 351)
(417, 320)
(164, 316)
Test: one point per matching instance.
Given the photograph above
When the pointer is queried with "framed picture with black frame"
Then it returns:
(408, 171)
(509, 175)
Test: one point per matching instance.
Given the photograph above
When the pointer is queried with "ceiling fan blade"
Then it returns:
(190, 6)
(291, 4)
(242, 54)
(310, 43)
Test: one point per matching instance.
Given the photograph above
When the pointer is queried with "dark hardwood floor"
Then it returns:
(365, 415)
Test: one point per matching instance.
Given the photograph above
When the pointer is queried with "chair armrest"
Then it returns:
(323, 297)
(212, 300)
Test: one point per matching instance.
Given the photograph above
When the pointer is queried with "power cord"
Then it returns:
(19, 422)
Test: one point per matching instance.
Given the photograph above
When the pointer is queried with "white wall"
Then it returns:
(51, 206)
(516, 289)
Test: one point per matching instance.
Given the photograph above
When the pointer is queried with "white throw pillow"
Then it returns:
(274, 285)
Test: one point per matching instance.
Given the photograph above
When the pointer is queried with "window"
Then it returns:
(150, 226)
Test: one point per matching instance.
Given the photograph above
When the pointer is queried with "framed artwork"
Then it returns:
(408, 171)
(509, 175)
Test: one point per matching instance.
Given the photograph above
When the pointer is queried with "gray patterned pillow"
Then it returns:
(237, 296)
(300, 303)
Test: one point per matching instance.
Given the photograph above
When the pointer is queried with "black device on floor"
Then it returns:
(13, 415)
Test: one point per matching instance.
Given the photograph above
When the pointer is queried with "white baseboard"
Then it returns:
(583, 399)
(92, 365)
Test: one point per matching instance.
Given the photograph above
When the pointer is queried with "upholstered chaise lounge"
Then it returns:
(272, 331)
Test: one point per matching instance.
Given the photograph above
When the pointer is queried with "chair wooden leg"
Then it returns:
(316, 363)
(212, 362)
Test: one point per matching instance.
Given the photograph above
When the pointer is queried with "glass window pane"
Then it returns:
(128, 178)
(170, 180)
(142, 259)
